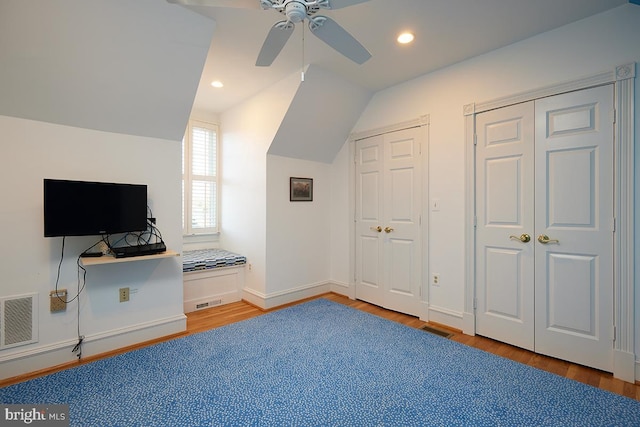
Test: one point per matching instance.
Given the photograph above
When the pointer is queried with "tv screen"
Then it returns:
(81, 208)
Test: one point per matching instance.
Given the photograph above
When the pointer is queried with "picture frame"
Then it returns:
(300, 189)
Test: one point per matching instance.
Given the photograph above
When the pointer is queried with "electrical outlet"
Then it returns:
(124, 294)
(58, 300)
(435, 279)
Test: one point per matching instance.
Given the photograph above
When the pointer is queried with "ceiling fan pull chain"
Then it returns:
(302, 71)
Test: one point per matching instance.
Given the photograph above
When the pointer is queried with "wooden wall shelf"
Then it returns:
(110, 259)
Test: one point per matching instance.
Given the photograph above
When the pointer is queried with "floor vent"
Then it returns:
(436, 331)
(208, 304)
(18, 320)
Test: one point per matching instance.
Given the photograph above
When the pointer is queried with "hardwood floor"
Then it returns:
(203, 320)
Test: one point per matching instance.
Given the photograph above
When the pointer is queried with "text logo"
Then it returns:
(34, 415)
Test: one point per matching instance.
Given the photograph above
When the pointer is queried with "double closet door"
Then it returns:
(388, 244)
(544, 231)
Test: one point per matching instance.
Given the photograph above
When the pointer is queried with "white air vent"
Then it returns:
(208, 304)
(18, 320)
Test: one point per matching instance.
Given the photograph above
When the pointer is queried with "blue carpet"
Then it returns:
(320, 364)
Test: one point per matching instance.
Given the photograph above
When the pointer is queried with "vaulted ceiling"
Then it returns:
(446, 32)
(135, 67)
(121, 66)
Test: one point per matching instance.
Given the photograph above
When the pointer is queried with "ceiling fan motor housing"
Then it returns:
(295, 11)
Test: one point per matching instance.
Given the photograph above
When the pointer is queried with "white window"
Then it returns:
(200, 179)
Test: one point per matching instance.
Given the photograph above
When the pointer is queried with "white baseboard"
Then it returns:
(43, 357)
(446, 317)
(341, 288)
(135, 334)
(276, 299)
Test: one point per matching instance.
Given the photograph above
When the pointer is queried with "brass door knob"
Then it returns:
(388, 229)
(524, 238)
(544, 239)
(378, 229)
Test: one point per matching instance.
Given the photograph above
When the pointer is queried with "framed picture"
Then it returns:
(300, 189)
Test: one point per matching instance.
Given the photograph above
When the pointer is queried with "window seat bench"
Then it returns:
(211, 277)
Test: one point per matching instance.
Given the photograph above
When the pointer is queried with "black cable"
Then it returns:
(138, 238)
(78, 347)
(84, 275)
(59, 266)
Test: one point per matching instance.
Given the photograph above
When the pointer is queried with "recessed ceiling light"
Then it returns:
(217, 83)
(405, 38)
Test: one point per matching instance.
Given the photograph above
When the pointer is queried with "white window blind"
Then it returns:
(200, 179)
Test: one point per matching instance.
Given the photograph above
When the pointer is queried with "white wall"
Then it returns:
(584, 48)
(246, 133)
(288, 245)
(120, 68)
(340, 221)
(298, 233)
(32, 151)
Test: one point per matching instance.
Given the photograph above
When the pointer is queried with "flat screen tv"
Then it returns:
(82, 208)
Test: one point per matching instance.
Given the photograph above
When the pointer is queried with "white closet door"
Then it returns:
(574, 210)
(505, 250)
(369, 220)
(388, 209)
(544, 236)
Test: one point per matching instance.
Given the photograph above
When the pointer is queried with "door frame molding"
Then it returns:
(623, 79)
(422, 122)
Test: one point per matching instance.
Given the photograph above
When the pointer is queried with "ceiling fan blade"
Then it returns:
(328, 30)
(244, 4)
(338, 4)
(275, 41)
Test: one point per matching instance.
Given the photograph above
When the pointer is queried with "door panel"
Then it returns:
(391, 201)
(571, 187)
(503, 298)
(504, 186)
(369, 274)
(400, 253)
(574, 208)
(571, 309)
(504, 191)
(401, 211)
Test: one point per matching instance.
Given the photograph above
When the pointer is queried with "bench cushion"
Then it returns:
(205, 259)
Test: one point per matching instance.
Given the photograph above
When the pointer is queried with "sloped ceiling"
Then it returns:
(322, 113)
(123, 66)
(446, 32)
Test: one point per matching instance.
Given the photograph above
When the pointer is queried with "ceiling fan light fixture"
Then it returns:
(405, 37)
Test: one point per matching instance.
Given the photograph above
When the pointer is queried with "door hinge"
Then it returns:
(614, 225)
(614, 115)
(614, 332)
(475, 139)
(475, 222)
(475, 303)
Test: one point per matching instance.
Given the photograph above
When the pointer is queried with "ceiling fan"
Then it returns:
(323, 27)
